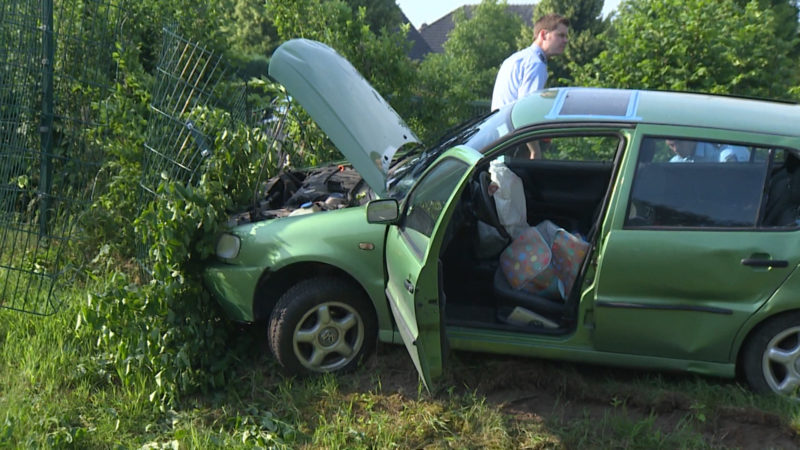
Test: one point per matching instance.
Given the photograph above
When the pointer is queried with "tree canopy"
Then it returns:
(466, 71)
(714, 46)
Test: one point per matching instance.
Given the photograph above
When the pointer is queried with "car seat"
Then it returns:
(783, 197)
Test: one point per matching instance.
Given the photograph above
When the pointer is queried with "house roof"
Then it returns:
(419, 47)
(435, 34)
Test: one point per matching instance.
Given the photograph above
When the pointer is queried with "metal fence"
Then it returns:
(55, 66)
(190, 81)
(192, 86)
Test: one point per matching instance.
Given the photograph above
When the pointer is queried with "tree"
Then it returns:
(586, 27)
(481, 43)
(786, 16)
(380, 14)
(249, 28)
(694, 45)
(380, 57)
(466, 71)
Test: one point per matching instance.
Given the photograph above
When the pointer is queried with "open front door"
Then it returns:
(412, 263)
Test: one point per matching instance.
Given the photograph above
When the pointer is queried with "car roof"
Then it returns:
(657, 107)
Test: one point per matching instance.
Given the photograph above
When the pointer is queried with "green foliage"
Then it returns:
(451, 82)
(379, 14)
(481, 43)
(110, 216)
(197, 21)
(583, 148)
(170, 329)
(786, 13)
(249, 30)
(379, 57)
(696, 45)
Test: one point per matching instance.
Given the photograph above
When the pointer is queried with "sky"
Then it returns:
(428, 11)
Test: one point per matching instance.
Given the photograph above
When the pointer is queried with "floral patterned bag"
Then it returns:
(544, 260)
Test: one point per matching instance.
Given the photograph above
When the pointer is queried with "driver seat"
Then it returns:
(509, 297)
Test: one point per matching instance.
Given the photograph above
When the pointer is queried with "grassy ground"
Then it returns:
(50, 399)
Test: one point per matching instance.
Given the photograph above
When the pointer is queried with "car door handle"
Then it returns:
(409, 286)
(760, 262)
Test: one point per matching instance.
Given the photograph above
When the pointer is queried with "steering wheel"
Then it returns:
(485, 207)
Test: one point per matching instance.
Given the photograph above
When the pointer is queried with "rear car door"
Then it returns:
(686, 258)
(412, 263)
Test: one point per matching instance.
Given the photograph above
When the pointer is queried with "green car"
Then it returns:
(658, 230)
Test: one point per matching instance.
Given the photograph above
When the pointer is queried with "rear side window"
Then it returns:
(684, 183)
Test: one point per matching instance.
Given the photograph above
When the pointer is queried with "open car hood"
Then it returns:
(361, 124)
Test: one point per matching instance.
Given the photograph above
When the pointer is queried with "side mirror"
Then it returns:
(385, 210)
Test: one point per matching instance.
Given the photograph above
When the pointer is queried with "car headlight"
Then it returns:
(228, 246)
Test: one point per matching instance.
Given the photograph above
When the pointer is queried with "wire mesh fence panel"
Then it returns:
(192, 83)
(55, 67)
(190, 80)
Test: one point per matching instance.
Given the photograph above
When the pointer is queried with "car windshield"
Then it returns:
(476, 133)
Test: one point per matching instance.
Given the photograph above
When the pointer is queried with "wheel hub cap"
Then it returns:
(328, 336)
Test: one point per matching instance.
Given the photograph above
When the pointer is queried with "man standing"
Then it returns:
(526, 70)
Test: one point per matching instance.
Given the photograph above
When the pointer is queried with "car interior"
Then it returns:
(783, 195)
(570, 194)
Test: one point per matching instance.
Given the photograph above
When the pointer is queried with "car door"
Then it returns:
(685, 260)
(412, 264)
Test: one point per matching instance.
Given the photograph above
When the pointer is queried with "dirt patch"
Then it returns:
(538, 391)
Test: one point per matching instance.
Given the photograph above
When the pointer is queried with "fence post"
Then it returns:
(46, 125)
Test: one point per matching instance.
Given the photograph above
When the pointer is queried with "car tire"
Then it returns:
(771, 356)
(323, 324)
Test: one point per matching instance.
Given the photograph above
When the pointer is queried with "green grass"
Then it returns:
(55, 393)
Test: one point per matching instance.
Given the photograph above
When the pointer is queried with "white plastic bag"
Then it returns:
(509, 199)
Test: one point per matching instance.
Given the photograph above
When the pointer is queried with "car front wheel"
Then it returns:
(323, 324)
(771, 358)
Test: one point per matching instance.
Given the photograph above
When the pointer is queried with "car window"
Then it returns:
(493, 128)
(568, 148)
(691, 183)
(430, 195)
(476, 133)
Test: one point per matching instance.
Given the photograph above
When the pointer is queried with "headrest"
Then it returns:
(794, 186)
(791, 163)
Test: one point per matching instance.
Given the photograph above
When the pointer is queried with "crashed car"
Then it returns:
(632, 228)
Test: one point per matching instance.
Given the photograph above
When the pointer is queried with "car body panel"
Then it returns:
(270, 246)
(680, 293)
(226, 281)
(654, 298)
(416, 311)
(413, 266)
(572, 349)
(361, 124)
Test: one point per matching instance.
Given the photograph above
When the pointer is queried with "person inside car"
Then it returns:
(694, 151)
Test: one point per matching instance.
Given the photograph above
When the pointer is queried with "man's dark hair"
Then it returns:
(549, 22)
